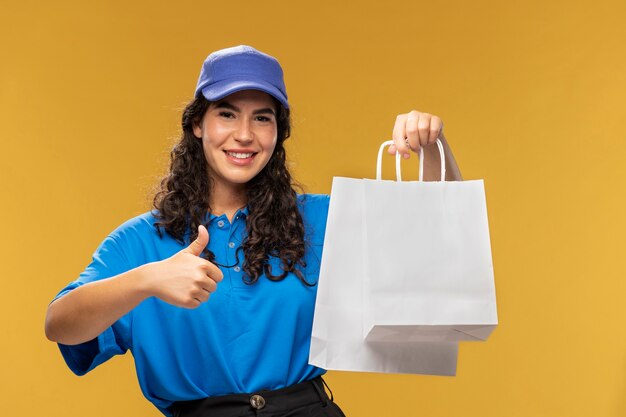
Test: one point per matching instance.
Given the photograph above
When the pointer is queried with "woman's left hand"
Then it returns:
(414, 130)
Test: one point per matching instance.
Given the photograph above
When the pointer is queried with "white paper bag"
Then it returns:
(406, 273)
(428, 268)
(346, 335)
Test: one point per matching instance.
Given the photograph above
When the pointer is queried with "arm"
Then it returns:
(185, 280)
(85, 312)
(432, 164)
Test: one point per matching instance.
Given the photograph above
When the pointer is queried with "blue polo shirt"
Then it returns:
(245, 338)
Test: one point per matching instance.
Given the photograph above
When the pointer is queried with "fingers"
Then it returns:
(414, 128)
(202, 296)
(419, 132)
(201, 292)
(398, 136)
(212, 275)
(212, 271)
(197, 246)
(436, 126)
(210, 286)
(423, 129)
(206, 289)
(413, 131)
(206, 282)
(188, 279)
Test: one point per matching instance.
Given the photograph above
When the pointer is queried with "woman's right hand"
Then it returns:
(185, 279)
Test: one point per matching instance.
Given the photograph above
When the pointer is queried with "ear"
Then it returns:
(197, 130)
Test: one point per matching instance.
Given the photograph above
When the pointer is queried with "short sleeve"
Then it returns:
(314, 209)
(108, 260)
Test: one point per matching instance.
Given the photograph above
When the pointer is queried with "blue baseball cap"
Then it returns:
(240, 68)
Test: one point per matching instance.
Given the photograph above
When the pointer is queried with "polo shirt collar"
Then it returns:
(241, 213)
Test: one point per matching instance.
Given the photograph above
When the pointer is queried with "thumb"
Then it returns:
(198, 245)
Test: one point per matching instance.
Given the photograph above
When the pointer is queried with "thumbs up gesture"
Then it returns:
(185, 279)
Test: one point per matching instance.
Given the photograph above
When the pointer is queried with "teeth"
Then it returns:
(240, 155)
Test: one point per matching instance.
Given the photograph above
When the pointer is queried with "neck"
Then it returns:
(227, 199)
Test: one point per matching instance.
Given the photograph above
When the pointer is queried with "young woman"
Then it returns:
(213, 291)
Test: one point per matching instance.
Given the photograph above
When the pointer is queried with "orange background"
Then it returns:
(532, 96)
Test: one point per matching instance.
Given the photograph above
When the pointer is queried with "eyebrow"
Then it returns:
(227, 105)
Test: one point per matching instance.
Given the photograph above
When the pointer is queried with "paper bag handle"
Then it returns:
(379, 162)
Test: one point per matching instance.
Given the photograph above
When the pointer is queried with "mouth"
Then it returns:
(240, 155)
(240, 158)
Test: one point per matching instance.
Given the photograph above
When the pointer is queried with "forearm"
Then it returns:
(432, 162)
(85, 312)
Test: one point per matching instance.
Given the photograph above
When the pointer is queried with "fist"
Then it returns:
(185, 279)
(413, 131)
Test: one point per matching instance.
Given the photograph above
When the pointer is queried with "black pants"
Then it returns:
(307, 399)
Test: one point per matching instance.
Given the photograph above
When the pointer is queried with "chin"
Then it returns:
(240, 179)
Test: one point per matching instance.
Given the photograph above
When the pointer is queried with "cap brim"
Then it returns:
(222, 89)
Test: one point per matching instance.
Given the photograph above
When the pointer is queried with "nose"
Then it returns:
(244, 133)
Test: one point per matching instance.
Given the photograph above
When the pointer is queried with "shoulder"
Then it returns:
(138, 223)
(120, 250)
(314, 206)
(314, 209)
(138, 226)
(313, 201)
(133, 236)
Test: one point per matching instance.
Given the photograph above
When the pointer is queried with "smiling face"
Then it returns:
(239, 134)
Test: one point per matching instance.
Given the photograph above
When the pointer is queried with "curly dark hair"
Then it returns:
(274, 224)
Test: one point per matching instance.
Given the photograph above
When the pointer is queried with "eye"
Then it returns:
(226, 114)
(263, 119)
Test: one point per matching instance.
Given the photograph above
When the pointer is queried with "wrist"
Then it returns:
(144, 280)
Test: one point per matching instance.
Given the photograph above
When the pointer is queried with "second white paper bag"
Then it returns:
(428, 267)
